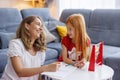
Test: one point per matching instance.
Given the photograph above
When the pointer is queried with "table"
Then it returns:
(103, 72)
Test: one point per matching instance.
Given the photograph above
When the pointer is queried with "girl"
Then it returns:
(77, 42)
(26, 53)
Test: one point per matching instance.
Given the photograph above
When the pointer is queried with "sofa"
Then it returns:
(102, 25)
(10, 19)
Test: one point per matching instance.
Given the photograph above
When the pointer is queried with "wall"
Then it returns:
(118, 4)
(22, 4)
(19, 4)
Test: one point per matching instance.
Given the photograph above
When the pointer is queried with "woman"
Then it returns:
(26, 53)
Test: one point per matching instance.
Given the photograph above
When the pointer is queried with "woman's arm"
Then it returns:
(25, 72)
(40, 77)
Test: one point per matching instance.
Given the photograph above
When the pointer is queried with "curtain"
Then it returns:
(86, 4)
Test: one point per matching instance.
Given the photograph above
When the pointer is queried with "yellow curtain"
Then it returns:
(41, 3)
(38, 3)
(33, 3)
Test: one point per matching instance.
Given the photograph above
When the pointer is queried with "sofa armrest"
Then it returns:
(3, 60)
(114, 62)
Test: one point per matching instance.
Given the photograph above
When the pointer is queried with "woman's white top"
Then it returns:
(16, 48)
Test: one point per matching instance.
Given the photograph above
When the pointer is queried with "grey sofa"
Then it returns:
(102, 25)
(10, 19)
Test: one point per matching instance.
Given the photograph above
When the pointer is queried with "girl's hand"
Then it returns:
(79, 64)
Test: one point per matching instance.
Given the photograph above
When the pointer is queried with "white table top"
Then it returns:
(102, 72)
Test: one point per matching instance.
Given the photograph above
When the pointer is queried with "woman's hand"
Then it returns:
(52, 67)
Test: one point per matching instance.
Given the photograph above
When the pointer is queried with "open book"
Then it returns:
(63, 71)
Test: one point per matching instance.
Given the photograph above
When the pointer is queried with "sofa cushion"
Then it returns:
(9, 27)
(62, 30)
(110, 37)
(41, 12)
(105, 24)
(50, 61)
(49, 37)
(67, 12)
(110, 50)
(51, 54)
(9, 16)
(51, 26)
(5, 38)
(105, 19)
(56, 46)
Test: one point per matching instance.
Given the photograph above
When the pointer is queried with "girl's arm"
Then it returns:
(64, 56)
(82, 62)
(25, 72)
(88, 53)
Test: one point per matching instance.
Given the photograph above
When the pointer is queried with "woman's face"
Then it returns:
(35, 28)
(70, 31)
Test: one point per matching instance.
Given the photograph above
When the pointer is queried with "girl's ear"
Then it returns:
(27, 26)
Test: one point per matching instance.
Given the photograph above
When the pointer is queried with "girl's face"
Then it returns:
(35, 28)
(70, 31)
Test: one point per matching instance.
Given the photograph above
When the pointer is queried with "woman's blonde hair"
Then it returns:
(24, 35)
(78, 23)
